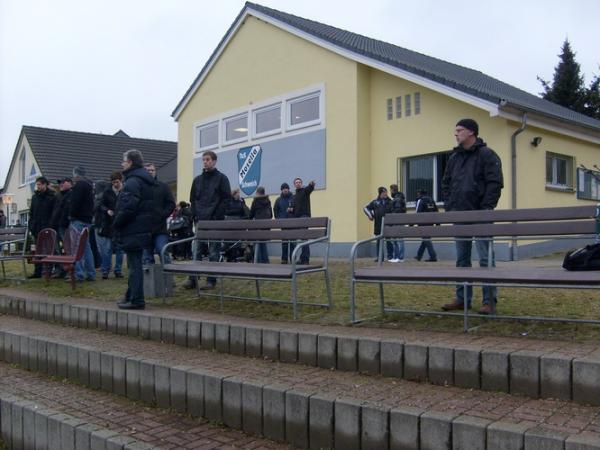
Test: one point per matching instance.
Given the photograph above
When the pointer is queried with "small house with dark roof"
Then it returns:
(54, 153)
(283, 96)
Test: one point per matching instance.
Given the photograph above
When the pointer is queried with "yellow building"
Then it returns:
(283, 96)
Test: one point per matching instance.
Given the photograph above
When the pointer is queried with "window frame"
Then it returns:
(257, 135)
(231, 118)
(288, 110)
(437, 174)
(23, 167)
(197, 136)
(570, 164)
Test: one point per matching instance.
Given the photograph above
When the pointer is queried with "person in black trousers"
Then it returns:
(40, 213)
(261, 210)
(281, 211)
(425, 204)
(300, 207)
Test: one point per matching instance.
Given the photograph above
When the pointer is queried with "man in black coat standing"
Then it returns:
(164, 205)
(81, 213)
(300, 207)
(472, 181)
(133, 224)
(210, 196)
(40, 213)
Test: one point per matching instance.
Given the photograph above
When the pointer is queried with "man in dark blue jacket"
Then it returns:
(133, 224)
(210, 196)
(300, 207)
(40, 213)
(281, 210)
(472, 181)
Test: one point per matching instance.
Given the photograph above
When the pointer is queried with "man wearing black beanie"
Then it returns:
(472, 181)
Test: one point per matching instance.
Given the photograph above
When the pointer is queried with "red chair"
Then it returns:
(74, 246)
(45, 244)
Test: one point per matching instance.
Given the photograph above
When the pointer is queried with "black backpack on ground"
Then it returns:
(586, 258)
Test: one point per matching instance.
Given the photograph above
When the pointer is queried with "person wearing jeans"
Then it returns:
(133, 224)
(80, 214)
(164, 205)
(463, 259)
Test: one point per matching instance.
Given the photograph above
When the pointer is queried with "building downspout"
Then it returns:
(513, 178)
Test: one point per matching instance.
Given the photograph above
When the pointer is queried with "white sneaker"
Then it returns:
(399, 260)
(393, 260)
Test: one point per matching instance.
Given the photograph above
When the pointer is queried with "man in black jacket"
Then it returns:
(81, 212)
(105, 214)
(40, 213)
(164, 205)
(60, 218)
(133, 224)
(210, 196)
(300, 207)
(281, 210)
(425, 204)
(472, 181)
(376, 211)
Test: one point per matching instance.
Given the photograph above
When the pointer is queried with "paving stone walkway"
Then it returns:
(161, 428)
(559, 416)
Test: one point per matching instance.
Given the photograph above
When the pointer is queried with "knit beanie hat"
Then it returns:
(284, 186)
(381, 189)
(469, 124)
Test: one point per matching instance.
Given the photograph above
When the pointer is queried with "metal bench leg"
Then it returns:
(381, 300)
(294, 296)
(164, 293)
(4, 271)
(221, 294)
(328, 287)
(257, 289)
(352, 301)
(465, 309)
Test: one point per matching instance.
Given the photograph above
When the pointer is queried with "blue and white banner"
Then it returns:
(249, 162)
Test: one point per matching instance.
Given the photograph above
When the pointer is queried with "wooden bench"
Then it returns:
(74, 247)
(16, 237)
(45, 245)
(510, 225)
(304, 232)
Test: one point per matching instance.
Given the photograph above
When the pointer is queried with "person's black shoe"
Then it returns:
(118, 275)
(284, 261)
(189, 284)
(207, 287)
(417, 258)
(35, 275)
(129, 305)
(105, 276)
(431, 260)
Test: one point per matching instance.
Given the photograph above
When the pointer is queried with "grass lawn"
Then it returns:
(583, 304)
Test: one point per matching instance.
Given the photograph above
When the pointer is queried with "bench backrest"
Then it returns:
(45, 242)
(263, 230)
(13, 234)
(533, 222)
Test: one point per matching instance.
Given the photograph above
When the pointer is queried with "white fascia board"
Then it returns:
(490, 107)
(540, 123)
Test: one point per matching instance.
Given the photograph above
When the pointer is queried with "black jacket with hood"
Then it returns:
(40, 212)
(261, 208)
(210, 195)
(164, 205)
(300, 202)
(133, 218)
(473, 179)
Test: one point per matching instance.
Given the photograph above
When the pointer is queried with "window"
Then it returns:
(398, 107)
(559, 171)
(423, 172)
(417, 103)
(208, 136)
(22, 169)
(304, 111)
(390, 109)
(407, 105)
(588, 184)
(236, 128)
(267, 120)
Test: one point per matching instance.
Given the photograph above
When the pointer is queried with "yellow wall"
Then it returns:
(261, 62)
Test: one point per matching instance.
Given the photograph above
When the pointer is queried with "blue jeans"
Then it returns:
(158, 242)
(463, 259)
(395, 249)
(214, 254)
(262, 255)
(84, 268)
(106, 247)
(135, 280)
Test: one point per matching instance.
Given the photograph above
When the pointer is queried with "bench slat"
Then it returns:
(20, 230)
(565, 228)
(237, 269)
(477, 274)
(499, 215)
(264, 224)
(261, 235)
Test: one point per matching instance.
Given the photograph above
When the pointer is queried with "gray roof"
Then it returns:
(463, 79)
(58, 151)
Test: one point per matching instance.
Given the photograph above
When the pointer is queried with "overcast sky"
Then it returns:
(104, 65)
